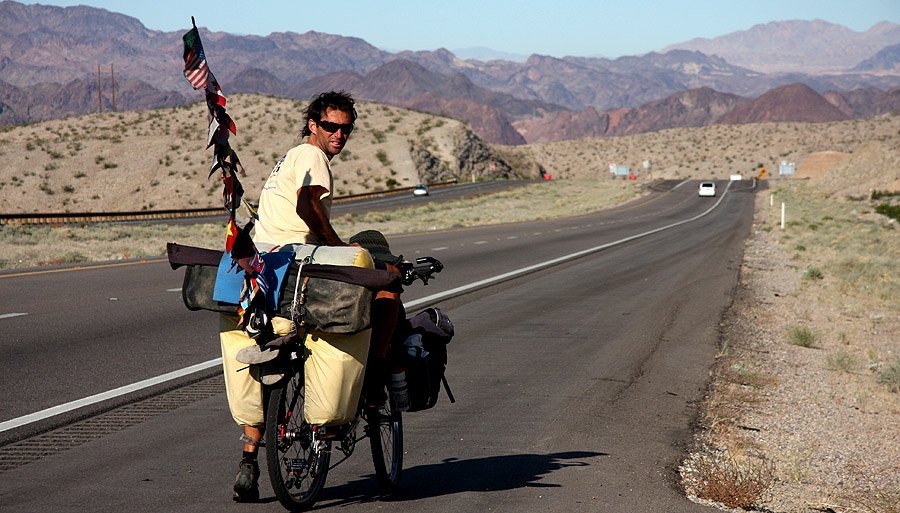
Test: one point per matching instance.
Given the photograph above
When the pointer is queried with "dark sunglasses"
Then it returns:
(331, 128)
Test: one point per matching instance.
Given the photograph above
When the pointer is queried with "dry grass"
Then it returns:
(31, 246)
(877, 493)
(735, 482)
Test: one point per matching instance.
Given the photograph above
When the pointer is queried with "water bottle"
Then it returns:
(399, 392)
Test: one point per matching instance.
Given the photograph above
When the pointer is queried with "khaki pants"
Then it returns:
(244, 391)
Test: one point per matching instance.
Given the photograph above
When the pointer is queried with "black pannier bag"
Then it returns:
(199, 278)
(326, 305)
(423, 353)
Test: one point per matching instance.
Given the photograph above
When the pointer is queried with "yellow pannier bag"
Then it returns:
(334, 370)
(333, 376)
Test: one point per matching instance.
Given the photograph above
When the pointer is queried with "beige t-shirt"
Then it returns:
(303, 166)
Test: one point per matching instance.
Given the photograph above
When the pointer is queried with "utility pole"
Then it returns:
(112, 73)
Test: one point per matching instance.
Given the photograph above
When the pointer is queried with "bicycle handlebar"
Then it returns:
(423, 269)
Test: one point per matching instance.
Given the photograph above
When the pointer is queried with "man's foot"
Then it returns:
(246, 488)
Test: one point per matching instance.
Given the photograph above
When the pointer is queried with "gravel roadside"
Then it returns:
(811, 425)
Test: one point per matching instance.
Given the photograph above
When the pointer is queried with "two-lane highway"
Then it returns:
(576, 383)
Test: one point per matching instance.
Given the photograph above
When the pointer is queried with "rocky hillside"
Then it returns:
(705, 106)
(156, 159)
(722, 150)
(795, 102)
(796, 45)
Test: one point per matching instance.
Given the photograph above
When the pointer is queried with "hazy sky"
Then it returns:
(577, 27)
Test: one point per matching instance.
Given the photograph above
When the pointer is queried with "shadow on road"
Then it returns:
(455, 476)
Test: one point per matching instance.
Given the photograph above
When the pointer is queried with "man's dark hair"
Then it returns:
(340, 100)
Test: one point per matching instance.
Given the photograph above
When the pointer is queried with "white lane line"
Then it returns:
(7, 316)
(56, 410)
(481, 242)
(442, 248)
(512, 237)
(174, 290)
(116, 392)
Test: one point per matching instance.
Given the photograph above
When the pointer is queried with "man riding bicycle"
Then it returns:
(295, 209)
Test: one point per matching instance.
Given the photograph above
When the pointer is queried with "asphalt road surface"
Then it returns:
(576, 383)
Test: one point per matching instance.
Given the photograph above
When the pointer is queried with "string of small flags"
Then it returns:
(241, 215)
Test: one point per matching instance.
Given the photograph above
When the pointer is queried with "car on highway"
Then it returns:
(707, 189)
(420, 190)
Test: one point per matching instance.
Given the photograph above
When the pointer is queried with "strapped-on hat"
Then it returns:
(374, 241)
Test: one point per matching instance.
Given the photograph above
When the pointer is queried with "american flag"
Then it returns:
(238, 242)
(195, 68)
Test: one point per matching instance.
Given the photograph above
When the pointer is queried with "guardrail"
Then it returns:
(60, 218)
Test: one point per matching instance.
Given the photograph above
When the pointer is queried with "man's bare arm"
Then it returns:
(309, 208)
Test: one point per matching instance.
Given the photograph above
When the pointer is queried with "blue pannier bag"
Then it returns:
(424, 355)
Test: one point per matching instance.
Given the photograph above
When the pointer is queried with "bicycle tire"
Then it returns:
(384, 426)
(297, 470)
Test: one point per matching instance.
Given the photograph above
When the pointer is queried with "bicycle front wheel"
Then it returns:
(297, 464)
(384, 425)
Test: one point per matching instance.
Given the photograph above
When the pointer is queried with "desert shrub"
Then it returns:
(876, 195)
(892, 211)
(801, 336)
(377, 136)
(383, 158)
(841, 361)
(813, 273)
(889, 376)
(735, 483)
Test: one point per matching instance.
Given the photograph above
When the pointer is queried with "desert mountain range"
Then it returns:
(49, 59)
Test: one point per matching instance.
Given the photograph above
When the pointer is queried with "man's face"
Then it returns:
(331, 133)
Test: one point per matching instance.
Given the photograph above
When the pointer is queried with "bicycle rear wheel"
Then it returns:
(298, 465)
(384, 425)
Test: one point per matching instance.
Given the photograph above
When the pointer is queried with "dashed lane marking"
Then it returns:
(9, 315)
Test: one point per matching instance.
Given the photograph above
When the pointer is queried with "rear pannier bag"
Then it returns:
(423, 353)
(201, 266)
